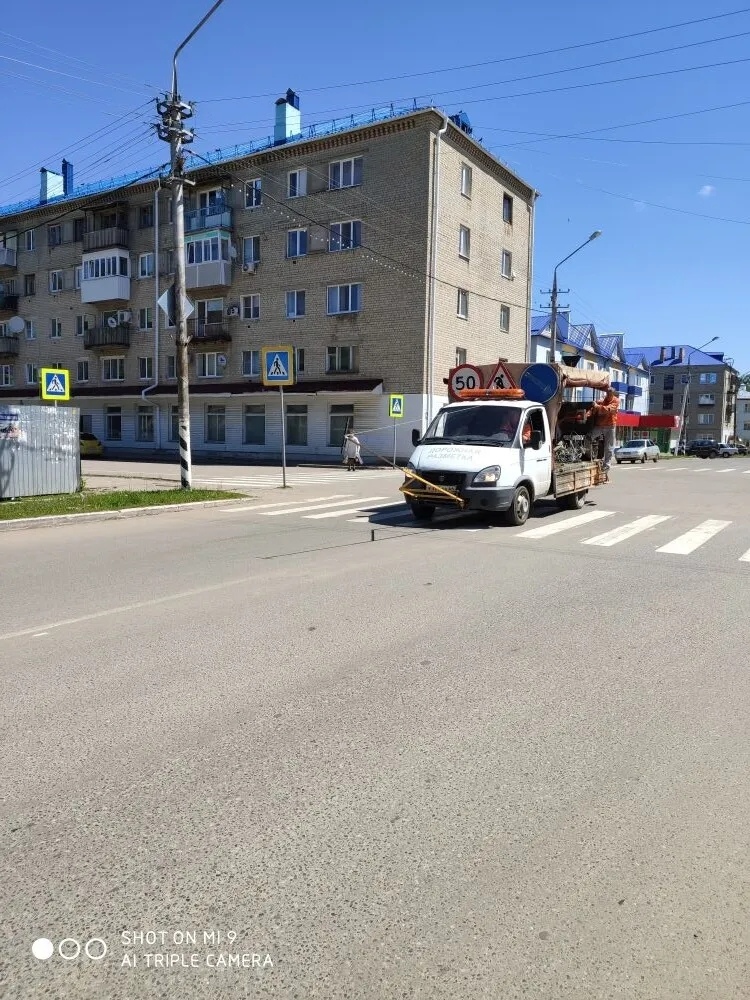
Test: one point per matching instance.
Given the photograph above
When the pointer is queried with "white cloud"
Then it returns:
(707, 190)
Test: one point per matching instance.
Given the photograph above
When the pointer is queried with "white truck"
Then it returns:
(495, 449)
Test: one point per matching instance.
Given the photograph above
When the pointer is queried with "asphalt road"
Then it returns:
(457, 761)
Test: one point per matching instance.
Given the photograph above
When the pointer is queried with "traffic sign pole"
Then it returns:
(395, 425)
(283, 439)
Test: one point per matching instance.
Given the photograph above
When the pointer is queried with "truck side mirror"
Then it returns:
(415, 437)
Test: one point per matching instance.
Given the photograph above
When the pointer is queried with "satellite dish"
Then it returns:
(16, 325)
(112, 322)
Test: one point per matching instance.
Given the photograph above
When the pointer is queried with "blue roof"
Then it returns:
(541, 324)
(652, 356)
(609, 344)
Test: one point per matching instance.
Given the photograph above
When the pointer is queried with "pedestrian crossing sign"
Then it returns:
(55, 384)
(395, 407)
(278, 365)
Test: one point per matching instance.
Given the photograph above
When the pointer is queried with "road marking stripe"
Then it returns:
(322, 506)
(704, 469)
(353, 510)
(282, 503)
(571, 522)
(677, 468)
(746, 557)
(693, 539)
(727, 470)
(626, 531)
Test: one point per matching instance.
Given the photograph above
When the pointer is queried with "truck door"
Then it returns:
(537, 462)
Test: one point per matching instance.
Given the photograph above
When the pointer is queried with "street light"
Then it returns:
(173, 112)
(686, 392)
(595, 235)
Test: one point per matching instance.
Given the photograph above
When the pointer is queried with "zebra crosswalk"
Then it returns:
(267, 479)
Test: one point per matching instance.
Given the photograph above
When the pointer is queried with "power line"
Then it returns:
(495, 62)
(71, 76)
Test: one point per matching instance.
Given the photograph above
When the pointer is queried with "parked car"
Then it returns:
(741, 448)
(639, 450)
(693, 447)
(91, 446)
(715, 449)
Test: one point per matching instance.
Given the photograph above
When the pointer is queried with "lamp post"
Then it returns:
(173, 112)
(553, 324)
(686, 393)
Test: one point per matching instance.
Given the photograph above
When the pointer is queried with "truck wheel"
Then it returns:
(574, 501)
(520, 509)
(422, 511)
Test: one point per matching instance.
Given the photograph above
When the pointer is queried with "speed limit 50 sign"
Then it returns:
(465, 377)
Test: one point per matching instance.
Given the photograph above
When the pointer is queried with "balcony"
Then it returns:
(112, 288)
(635, 390)
(7, 257)
(209, 274)
(9, 346)
(8, 303)
(620, 386)
(102, 239)
(106, 336)
(217, 216)
(202, 332)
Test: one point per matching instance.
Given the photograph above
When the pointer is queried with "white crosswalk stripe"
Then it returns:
(745, 557)
(295, 477)
(249, 506)
(321, 506)
(572, 522)
(726, 470)
(352, 510)
(693, 539)
(625, 531)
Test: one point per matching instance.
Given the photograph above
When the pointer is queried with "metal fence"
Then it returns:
(39, 450)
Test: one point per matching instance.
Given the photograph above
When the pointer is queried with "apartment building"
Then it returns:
(696, 386)
(383, 251)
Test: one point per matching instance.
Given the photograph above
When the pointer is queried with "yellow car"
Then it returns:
(91, 446)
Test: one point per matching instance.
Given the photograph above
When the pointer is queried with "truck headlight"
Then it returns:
(487, 477)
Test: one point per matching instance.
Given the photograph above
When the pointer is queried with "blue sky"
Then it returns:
(669, 196)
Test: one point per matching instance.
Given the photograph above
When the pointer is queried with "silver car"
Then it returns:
(640, 450)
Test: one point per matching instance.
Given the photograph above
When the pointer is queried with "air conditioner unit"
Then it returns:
(250, 268)
(233, 311)
(124, 316)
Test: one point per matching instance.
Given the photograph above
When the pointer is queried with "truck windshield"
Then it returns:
(476, 424)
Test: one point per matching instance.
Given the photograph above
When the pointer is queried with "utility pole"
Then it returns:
(554, 293)
(173, 112)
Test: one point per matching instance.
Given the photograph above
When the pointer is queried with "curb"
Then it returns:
(19, 523)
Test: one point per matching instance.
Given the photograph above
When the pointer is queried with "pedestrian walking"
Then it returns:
(351, 451)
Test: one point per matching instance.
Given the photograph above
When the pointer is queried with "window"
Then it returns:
(296, 243)
(667, 401)
(29, 284)
(460, 356)
(299, 359)
(251, 250)
(669, 382)
(705, 418)
(29, 239)
(146, 265)
(171, 366)
(253, 193)
(341, 420)
(208, 365)
(466, 179)
(707, 378)
(464, 242)
(254, 429)
(79, 229)
(345, 173)
(145, 368)
(462, 303)
(145, 216)
(506, 264)
(55, 281)
(77, 271)
(82, 371)
(216, 424)
(207, 249)
(85, 423)
(54, 235)
(6, 375)
(295, 305)
(251, 307)
(508, 209)
(706, 399)
(340, 359)
(345, 236)
(504, 319)
(106, 267)
(296, 425)
(344, 299)
(251, 363)
(31, 329)
(146, 318)
(144, 428)
(296, 183)
(113, 423)
(55, 331)
(32, 375)
(113, 369)
(82, 324)
(174, 424)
